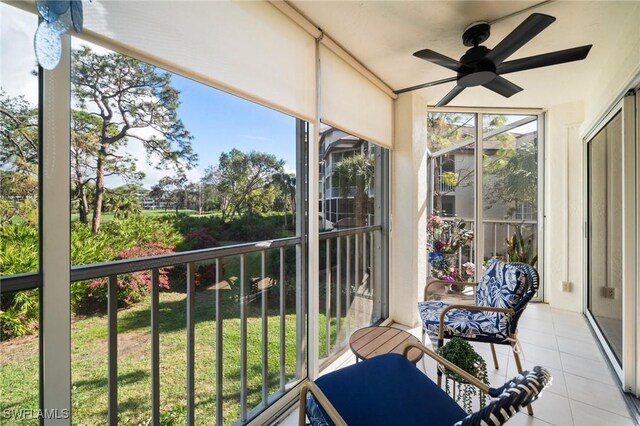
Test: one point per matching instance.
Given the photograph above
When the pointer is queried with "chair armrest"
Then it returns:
(470, 308)
(448, 365)
(321, 400)
(436, 281)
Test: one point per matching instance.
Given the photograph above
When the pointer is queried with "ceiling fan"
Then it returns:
(481, 66)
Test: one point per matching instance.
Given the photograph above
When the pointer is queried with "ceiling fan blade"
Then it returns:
(439, 59)
(545, 60)
(531, 27)
(449, 97)
(420, 86)
(503, 87)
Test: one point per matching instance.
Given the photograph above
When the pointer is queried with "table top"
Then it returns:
(377, 340)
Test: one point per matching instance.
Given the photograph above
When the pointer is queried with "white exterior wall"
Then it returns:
(409, 209)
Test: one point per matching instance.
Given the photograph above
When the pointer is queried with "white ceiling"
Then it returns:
(383, 35)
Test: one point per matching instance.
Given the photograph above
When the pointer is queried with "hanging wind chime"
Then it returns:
(57, 17)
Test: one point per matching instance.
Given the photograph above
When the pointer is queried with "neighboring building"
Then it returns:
(499, 218)
(335, 208)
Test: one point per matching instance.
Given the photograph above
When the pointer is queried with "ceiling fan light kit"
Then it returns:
(481, 66)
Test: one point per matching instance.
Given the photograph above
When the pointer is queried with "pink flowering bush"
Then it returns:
(132, 287)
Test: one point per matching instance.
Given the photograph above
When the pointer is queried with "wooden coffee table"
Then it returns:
(372, 341)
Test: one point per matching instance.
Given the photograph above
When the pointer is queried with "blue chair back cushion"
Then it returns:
(384, 390)
(502, 286)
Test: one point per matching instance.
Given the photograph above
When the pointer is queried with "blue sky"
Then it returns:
(217, 120)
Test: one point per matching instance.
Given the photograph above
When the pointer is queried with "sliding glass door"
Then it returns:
(613, 186)
(604, 288)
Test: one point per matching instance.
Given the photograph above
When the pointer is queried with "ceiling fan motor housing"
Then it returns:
(477, 69)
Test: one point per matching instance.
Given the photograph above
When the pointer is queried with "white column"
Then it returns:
(55, 325)
(409, 209)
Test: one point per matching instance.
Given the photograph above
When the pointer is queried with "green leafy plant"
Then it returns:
(521, 249)
(462, 354)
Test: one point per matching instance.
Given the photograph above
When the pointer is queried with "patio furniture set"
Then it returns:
(387, 388)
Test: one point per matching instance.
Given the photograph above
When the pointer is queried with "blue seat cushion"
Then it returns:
(384, 390)
(459, 322)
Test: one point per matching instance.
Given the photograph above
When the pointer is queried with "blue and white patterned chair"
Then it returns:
(501, 296)
(389, 390)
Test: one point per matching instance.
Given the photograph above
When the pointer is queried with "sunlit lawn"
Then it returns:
(19, 362)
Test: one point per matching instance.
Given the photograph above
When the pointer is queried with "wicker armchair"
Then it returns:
(390, 390)
(501, 297)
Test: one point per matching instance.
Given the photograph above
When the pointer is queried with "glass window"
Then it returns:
(163, 164)
(510, 189)
(605, 192)
(510, 179)
(19, 233)
(352, 281)
(451, 141)
(19, 140)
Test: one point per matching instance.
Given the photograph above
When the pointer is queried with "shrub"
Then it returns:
(18, 254)
(18, 248)
(132, 287)
(253, 227)
(200, 238)
(130, 238)
(19, 314)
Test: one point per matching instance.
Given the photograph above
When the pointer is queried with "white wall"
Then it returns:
(616, 73)
(564, 185)
(409, 209)
(564, 168)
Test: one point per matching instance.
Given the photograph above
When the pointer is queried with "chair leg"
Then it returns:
(439, 382)
(495, 357)
(424, 362)
(516, 356)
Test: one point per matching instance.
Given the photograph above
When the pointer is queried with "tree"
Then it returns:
(238, 177)
(515, 174)
(128, 100)
(19, 159)
(170, 190)
(286, 183)
(84, 154)
(356, 172)
(443, 130)
(122, 201)
(18, 133)
(446, 129)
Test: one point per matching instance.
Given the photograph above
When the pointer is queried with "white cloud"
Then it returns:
(17, 29)
(137, 151)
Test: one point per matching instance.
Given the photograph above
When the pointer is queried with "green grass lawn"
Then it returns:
(19, 362)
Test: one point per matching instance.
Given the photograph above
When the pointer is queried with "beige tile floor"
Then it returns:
(583, 392)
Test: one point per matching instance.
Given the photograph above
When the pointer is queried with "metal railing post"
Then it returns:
(190, 343)
(112, 318)
(155, 347)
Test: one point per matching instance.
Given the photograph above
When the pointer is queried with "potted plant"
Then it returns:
(462, 354)
(445, 238)
(521, 249)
